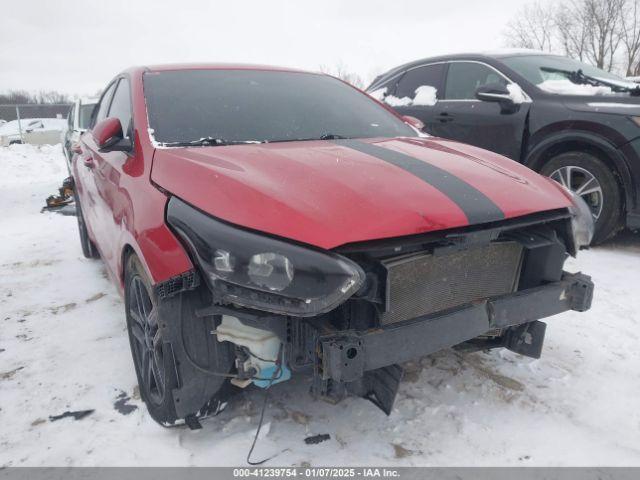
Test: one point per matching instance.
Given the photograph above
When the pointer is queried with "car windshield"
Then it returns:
(86, 110)
(236, 106)
(553, 70)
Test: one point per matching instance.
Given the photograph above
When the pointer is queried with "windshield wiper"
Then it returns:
(332, 136)
(580, 78)
(324, 136)
(209, 142)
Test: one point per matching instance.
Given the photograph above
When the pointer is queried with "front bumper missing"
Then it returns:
(344, 357)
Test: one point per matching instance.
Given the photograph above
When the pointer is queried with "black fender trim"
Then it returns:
(191, 340)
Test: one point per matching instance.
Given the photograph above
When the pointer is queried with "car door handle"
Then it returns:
(444, 117)
(88, 162)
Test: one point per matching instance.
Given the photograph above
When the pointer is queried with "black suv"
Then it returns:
(568, 120)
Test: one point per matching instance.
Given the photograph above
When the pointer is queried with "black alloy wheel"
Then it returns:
(147, 347)
(152, 358)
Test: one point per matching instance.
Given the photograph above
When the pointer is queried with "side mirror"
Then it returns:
(496, 92)
(413, 121)
(108, 135)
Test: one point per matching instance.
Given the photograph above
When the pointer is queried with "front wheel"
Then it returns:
(594, 181)
(168, 339)
(151, 357)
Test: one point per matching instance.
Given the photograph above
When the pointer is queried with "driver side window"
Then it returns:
(121, 106)
(464, 78)
(104, 104)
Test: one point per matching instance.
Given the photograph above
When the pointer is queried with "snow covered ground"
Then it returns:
(63, 346)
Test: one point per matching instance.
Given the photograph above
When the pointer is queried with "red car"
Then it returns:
(263, 221)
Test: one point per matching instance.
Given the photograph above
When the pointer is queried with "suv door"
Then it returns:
(461, 116)
(426, 75)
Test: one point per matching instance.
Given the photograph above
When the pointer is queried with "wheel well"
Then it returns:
(579, 146)
(126, 252)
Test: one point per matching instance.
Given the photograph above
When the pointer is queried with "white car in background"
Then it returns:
(37, 131)
(78, 121)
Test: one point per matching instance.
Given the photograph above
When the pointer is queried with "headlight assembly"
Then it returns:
(582, 224)
(257, 271)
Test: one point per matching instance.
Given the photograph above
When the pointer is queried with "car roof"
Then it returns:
(495, 54)
(219, 66)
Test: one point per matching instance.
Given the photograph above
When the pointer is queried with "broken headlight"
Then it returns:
(257, 271)
(582, 224)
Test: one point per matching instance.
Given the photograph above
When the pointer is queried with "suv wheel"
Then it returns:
(151, 356)
(594, 181)
(89, 250)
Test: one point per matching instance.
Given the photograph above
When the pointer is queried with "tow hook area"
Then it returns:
(339, 372)
(526, 339)
(256, 353)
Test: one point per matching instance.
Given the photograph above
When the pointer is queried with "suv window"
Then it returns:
(121, 106)
(428, 75)
(104, 104)
(464, 78)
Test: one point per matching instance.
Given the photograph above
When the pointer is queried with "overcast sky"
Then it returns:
(76, 46)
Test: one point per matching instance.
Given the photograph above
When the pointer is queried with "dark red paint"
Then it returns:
(317, 192)
(106, 131)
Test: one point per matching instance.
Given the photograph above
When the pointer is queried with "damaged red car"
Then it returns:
(264, 222)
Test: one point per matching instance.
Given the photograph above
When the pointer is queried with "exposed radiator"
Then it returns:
(420, 284)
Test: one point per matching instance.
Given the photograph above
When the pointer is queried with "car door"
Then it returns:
(84, 169)
(461, 116)
(430, 75)
(108, 173)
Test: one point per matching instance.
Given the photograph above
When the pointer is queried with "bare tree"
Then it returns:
(630, 34)
(18, 97)
(534, 27)
(341, 71)
(602, 18)
(572, 31)
(15, 97)
(592, 31)
(51, 96)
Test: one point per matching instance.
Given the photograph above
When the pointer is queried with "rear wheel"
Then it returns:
(594, 181)
(89, 250)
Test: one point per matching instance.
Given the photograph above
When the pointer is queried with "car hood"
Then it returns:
(330, 193)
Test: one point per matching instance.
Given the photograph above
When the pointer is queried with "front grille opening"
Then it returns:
(425, 283)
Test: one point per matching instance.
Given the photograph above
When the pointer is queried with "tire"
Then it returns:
(151, 335)
(590, 177)
(152, 357)
(89, 249)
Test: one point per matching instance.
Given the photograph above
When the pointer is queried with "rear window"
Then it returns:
(256, 105)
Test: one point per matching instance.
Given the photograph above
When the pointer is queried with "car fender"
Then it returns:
(573, 140)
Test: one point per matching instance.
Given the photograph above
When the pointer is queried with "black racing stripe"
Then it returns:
(476, 205)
